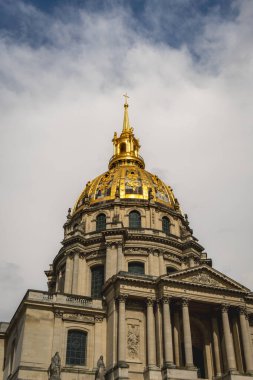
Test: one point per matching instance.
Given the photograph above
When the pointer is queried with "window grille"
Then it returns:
(76, 347)
(136, 267)
(101, 222)
(134, 220)
(166, 225)
(97, 281)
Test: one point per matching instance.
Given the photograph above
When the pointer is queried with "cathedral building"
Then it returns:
(131, 293)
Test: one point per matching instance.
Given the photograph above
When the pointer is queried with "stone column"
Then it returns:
(122, 331)
(98, 349)
(228, 340)
(177, 344)
(167, 335)
(187, 334)
(247, 348)
(120, 266)
(111, 259)
(68, 274)
(161, 264)
(151, 343)
(75, 274)
(216, 346)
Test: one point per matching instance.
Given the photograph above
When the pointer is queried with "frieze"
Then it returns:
(95, 254)
(137, 251)
(171, 256)
(78, 317)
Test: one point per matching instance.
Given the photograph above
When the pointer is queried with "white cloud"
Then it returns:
(61, 103)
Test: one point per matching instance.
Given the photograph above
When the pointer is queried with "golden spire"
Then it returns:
(126, 146)
(126, 124)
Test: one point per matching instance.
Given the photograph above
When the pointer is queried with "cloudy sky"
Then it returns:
(187, 66)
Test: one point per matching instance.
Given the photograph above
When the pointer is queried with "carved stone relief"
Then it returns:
(133, 340)
(78, 317)
(205, 279)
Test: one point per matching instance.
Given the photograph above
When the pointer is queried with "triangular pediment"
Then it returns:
(206, 276)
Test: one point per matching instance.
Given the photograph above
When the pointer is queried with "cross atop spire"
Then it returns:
(126, 124)
(126, 97)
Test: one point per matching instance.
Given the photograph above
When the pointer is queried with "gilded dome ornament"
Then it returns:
(126, 177)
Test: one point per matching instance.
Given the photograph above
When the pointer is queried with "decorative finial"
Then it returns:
(126, 97)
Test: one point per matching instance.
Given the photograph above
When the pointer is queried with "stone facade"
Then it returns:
(175, 317)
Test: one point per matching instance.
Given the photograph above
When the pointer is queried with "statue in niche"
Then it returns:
(54, 370)
(100, 374)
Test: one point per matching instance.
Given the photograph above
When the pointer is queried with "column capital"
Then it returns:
(243, 311)
(185, 301)
(71, 255)
(110, 244)
(150, 301)
(122, 298)
(99, 318)
(225, 307)
(165, 299)
(58, 313)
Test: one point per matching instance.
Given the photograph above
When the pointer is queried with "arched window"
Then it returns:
(170, 270)
(134, 219)
(101, 222)
(166, 225)
(97, 281)
(136, 267)
(76, 347)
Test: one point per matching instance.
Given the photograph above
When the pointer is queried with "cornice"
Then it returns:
(123, 203)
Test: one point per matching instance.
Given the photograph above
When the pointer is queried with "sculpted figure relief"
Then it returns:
(205, 279)
(54, 370)
(100, 374)
(133, 338)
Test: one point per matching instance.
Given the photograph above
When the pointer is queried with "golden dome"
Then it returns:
(126, 177)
